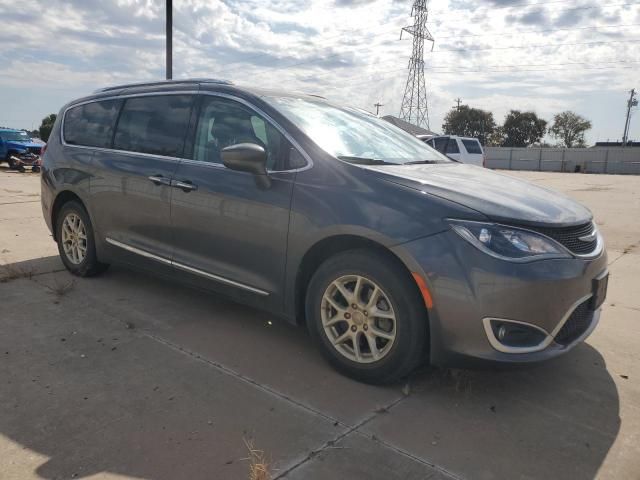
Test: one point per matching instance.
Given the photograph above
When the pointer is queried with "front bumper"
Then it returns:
(468, 287)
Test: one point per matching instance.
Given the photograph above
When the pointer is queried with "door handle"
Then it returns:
(186, 185)
(159, 180)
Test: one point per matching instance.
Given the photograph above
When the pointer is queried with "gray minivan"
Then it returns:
(390, 253)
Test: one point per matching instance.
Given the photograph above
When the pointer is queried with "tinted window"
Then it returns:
(440, 143)
(224, 122)
(154, 124)
(91, 124)
(472, 146)
(452, 146)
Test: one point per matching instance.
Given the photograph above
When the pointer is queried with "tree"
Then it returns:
(570, 127)
(496, 138)
(46, 126)
(522, 129)
(469, 122)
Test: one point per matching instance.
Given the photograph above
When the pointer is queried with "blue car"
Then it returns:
(19, 150)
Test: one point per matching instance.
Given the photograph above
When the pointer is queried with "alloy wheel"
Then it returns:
(358, 318)
(74, 238)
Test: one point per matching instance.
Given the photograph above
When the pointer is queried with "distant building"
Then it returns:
(616, 144)
(406, 126)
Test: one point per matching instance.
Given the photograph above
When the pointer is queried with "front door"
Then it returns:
(131, 186)
(227, 227)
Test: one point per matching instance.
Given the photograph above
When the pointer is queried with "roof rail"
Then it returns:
(163, 82)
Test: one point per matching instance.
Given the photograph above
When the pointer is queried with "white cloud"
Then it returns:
(349, 50)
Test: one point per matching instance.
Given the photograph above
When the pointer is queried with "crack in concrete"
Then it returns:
(13, 203)
(628, 250)
(330, 443)
(230, 372)
(355, 429)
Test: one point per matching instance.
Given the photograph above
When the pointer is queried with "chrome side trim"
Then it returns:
(143, 253)
(188, 92)
(186, 268)
(495, 343)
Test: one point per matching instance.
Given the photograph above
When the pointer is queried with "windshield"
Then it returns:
(13, 136)
(355, 136)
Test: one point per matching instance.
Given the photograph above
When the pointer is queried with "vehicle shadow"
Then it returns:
(134, 407)
(558, 419)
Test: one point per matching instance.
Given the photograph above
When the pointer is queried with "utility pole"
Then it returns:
(414, 107)
(378, 105)
(458, 101)
(169, 37)
(632, 102)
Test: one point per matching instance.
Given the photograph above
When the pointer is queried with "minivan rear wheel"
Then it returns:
(76, 241)
(366, 315)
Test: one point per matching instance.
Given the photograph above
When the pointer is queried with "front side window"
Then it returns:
(91, 124)
(154, 124)
(224, 122)
(353, 135)
(440, 144)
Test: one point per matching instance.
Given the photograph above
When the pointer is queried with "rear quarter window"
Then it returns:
(91, 124)
(472, 146)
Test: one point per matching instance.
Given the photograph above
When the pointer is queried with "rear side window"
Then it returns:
(154, 124)
(472, 146)
(91, 124)
(452, 146)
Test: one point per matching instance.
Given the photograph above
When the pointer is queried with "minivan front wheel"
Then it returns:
(365, 313)
(76, 243)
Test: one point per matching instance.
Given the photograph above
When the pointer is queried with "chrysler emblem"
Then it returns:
(589, 238)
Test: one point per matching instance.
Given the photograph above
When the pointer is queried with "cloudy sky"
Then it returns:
(543, 55)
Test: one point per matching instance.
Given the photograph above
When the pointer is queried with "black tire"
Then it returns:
(89, 266)
(12, 165)
(410, 344)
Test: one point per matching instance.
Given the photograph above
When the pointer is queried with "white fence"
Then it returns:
(616, 160)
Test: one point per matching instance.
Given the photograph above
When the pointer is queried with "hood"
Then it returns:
(501, 198)
(21, 144)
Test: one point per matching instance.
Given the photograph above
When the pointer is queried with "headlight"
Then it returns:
(508, 243)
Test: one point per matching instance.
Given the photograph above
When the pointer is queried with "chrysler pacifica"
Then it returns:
(387, 250)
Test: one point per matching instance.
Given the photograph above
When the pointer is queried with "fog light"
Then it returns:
(514, 334)
(502, 332)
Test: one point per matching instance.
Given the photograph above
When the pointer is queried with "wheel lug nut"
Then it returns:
(353, 328)
(354, 306)
(347, 315)
(366, 314)
(365, 326)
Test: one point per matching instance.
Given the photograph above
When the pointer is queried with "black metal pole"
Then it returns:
(169, 35)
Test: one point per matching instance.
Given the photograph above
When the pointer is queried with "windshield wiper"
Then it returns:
(421, 162)
(363, 160)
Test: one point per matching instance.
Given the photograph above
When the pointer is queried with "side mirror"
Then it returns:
(245, 157)
(248, 157)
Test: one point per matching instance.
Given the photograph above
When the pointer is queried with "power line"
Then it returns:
(309, 62)
(450, 72)
(241, 64)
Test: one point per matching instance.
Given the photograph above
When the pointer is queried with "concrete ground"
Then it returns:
(129, 376)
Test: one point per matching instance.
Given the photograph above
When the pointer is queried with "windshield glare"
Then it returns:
(355, 136)
(12, 136)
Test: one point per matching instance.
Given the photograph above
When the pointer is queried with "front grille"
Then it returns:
(570, 237)
(577, 324)
(34, 150)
